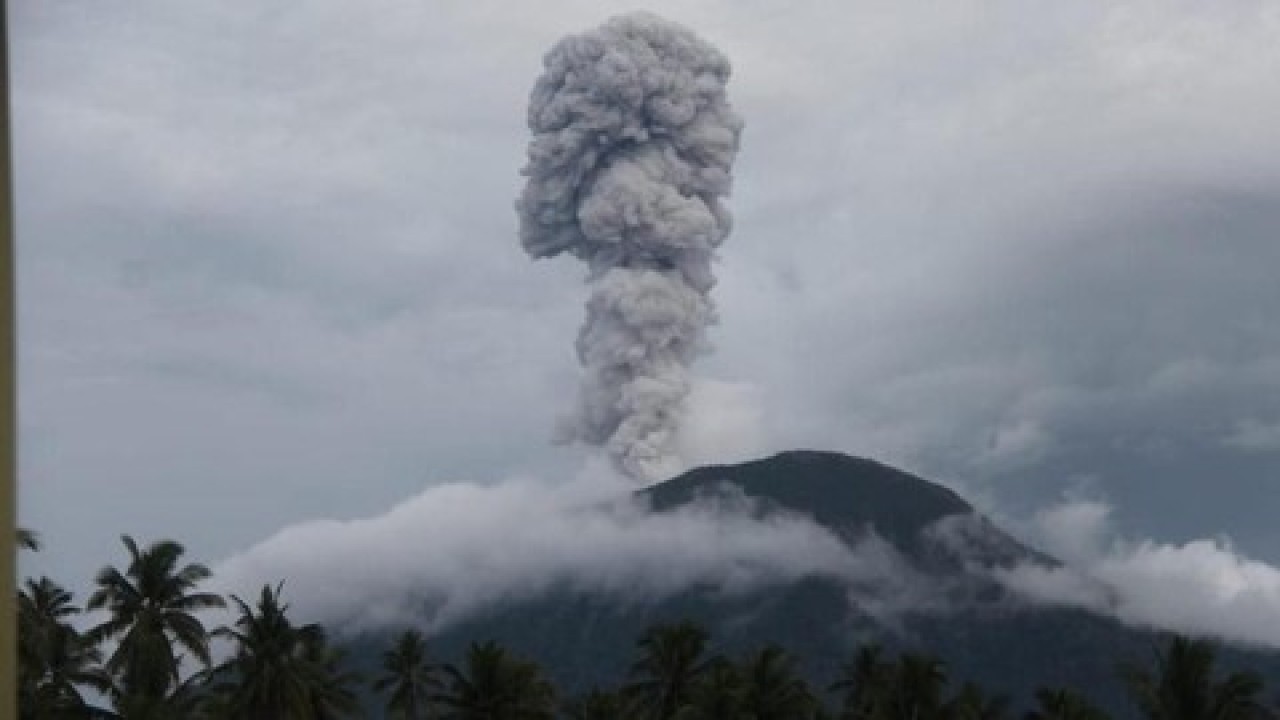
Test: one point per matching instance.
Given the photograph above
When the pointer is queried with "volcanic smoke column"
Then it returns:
(633, 141)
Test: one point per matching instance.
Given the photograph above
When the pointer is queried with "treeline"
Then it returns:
(150, 659)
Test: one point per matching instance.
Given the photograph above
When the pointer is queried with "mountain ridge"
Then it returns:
(853, 497)
(980, 630)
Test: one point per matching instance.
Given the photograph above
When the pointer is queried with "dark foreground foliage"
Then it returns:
(151, 658)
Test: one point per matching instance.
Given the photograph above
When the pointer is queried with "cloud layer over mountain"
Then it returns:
(1202, 587)
(459, 549)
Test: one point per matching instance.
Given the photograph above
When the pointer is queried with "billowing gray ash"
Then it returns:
(633, 141)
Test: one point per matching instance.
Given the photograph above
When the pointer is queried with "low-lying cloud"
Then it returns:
(456, 549)
(1202, 587)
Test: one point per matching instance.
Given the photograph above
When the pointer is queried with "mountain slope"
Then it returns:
(850, 496)
(836, 489)
(981, 632)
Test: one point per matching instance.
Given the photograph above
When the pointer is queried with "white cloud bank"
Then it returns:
(456, 549)
(1203, 587)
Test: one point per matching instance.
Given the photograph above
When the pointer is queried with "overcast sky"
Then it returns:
(268, 269)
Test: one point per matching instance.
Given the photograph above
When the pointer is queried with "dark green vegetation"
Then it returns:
(802, 651)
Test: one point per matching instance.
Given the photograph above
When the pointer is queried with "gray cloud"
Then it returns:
(633, 143)
(267, 267)
(1254, 435)
(1203, 586)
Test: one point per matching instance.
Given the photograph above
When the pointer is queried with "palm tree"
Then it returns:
(914, 688)
(409, 677)
(772, 689)
(1183, 686)
(973, 703)
(151, 605)
(280, 670)
(265, 677)
(1063, 704)
(190, 699)
(669, 665)
(55, 660)
(862, 681)
(717, 695)
(496, 686)
(333, 693)
(596, 705)
(42, 605)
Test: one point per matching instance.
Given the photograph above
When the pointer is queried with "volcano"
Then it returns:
(945, 551)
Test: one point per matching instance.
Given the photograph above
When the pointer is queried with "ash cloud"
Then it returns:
(633, 141)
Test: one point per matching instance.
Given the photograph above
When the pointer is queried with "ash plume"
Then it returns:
(633, 140)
